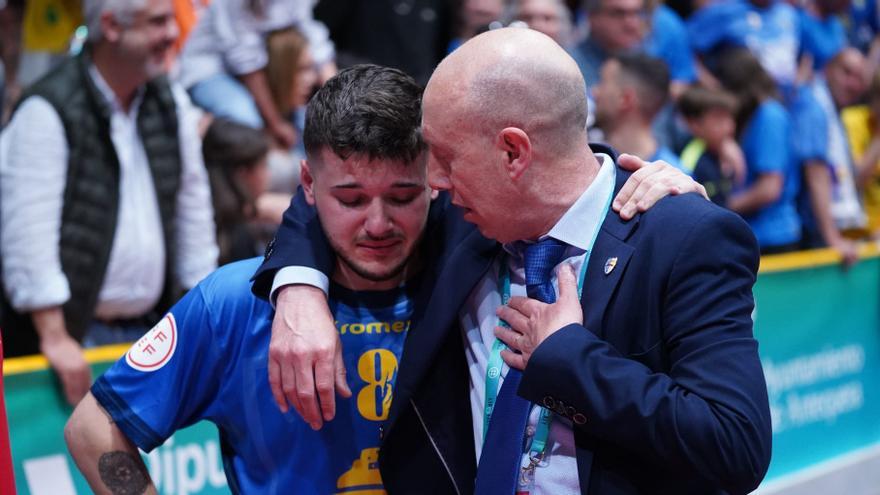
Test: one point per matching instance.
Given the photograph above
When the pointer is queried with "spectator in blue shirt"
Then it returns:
(767, 199)
(830, 204)
(823, 34)
(668, 40)
(770, 29)
(631, 90)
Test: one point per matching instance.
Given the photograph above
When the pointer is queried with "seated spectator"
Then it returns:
(862, 124)
(223, 63)
(550, 17)
(292, 80)
(830, 205)
(767, 198)
(713, 157)
(631, 90)
(235, 156)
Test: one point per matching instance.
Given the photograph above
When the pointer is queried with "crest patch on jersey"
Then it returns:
(155, 348)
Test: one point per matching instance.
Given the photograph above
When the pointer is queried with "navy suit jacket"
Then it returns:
(664, 373)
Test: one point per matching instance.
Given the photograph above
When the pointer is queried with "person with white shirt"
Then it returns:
(630, 368)
(106, 211)
(224, 61)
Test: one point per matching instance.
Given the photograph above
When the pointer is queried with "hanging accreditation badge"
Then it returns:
(526, 482)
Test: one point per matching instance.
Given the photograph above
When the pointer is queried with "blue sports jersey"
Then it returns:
(772, 34)
(820, 135)
(765, 144)
(668, 40)
(207, 360)
(822, 38)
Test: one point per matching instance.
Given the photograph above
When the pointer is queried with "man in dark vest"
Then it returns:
(106, 211)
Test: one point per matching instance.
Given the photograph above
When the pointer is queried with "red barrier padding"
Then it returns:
(7, 478)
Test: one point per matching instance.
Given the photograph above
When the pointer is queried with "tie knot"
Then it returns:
(541, 258)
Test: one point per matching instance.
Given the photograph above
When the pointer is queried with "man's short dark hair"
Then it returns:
(366, 109)
(650, 76)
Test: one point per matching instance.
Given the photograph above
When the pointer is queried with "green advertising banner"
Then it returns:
(819, 332)
(189, 463)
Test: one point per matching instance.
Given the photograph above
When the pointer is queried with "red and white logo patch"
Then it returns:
(155, 348)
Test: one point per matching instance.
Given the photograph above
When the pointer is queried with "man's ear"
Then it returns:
(630, 101)
(517, 146)
(307, 181)
(111, 28)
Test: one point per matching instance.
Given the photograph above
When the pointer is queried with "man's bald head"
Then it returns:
(505, 119)
(513, 77)
(845, 74)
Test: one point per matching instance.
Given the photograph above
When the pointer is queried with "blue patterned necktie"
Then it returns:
(502, 450)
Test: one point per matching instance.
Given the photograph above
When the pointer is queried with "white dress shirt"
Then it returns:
(577, 228)
(33, 175)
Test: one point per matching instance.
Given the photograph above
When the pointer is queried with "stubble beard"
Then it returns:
(364, 272)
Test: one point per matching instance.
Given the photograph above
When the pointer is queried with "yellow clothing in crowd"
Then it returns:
(48, 24)
(860, 129)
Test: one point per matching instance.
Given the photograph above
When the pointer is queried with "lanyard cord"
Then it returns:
(493, 368)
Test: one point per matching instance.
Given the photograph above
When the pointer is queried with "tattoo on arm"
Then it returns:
(123, 473)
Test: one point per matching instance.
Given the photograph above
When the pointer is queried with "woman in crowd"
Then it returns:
(235, 156)
(767, 200)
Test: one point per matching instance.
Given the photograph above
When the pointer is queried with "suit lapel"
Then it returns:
(605, 269)
(464, 268)
(607, 263)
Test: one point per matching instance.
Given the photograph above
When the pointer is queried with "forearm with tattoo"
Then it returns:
(123, 473)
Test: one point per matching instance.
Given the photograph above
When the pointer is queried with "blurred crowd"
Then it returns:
(146, 141)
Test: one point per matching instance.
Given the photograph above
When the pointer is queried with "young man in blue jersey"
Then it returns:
(207, 359)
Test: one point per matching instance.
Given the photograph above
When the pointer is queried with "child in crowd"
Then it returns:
(713, 158)
(235, 156)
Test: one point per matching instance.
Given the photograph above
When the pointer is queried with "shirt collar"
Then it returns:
(110, 96)
(588, 210)
(579, 224)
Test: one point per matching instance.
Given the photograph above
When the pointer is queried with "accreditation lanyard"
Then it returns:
(493, 368)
